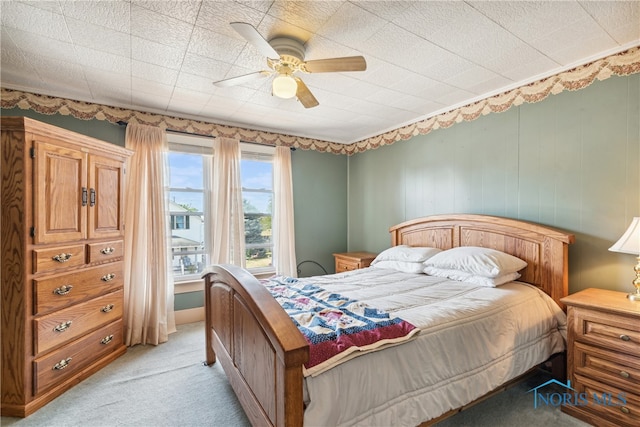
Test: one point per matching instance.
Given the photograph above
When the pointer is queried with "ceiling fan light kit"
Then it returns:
(285, 56)
(284, 86)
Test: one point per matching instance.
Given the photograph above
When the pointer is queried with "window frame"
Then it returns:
(195, 144)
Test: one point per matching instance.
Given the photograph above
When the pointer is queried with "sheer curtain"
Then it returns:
(224, 231)
(284, 257)
(149, 316)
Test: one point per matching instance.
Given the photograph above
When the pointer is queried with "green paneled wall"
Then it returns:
(320, 208)
(571, 161)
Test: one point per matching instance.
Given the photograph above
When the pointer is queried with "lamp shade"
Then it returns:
(284, 86)
(629, 243)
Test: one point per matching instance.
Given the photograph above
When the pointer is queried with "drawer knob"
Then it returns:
(625, 337)
(107, 251)
(625, 410)
(62, 257)
(62, 364)
(108, 277)
(63, 290)
(107, 308)
(624, 374)
(106, 340)
(63, 326)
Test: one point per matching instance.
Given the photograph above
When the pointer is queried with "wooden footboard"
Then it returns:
(257, 344)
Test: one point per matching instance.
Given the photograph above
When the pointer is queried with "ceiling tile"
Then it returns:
(34, 20)
(110, 14)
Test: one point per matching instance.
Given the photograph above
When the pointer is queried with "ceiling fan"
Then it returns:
(285, 57)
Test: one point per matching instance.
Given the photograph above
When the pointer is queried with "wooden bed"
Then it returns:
(262, 351)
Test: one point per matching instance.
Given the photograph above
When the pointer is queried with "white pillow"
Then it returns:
(403, 266)
(476, 261)
(462, 276)
(406, 253)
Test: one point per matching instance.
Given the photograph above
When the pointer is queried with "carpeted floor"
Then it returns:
(168, 385)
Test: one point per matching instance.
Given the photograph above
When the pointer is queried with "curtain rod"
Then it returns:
(123, 123)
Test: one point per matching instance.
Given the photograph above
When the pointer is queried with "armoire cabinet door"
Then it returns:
(60, 215)
(106, 204)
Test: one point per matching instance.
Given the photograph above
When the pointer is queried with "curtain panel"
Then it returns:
(224, 229)
(149, 315)
(284, 257)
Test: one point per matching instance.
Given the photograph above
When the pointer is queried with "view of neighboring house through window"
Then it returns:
(188, 214)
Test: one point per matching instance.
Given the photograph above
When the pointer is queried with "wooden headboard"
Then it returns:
(544, 249)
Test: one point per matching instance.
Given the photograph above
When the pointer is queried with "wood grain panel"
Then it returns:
(83, 317)
(254, 357)
(50, 259)
(13, 253)
(105, 251)
(60, 176)
(79, 355)
(106, 179)
(85, 284)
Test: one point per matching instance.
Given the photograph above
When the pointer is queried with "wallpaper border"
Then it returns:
(621, 64)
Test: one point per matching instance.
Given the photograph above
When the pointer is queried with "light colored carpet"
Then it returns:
(168, 385)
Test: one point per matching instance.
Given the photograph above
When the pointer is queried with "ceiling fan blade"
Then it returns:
(255, 38)
(347, 63)
(305, 96)
(234, 81)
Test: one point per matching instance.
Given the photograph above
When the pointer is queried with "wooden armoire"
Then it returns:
(62, 199)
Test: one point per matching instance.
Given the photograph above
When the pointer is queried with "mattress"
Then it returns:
(472, 339)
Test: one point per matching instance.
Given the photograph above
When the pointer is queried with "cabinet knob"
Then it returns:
(63, 326)
(107, 251)
(624, 374)
(62, 257)
(62, 364)
(625, 410)
(106, 340)
(108, 277)
(63, 290)
(107, 308)
(625, 337)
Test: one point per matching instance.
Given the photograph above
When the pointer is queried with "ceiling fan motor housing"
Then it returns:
(286, 46)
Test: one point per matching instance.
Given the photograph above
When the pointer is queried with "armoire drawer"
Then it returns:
(68, 360)
(54, 293)
(72, 322)
(57, 258)
(105, 251)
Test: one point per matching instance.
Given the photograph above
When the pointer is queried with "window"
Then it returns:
(186, 200)
(179, 222)
(188, 213)
(257, 201)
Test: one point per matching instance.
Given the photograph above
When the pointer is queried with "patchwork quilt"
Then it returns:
(337, 328)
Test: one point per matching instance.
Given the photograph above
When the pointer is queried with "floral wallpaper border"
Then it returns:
(621, 64)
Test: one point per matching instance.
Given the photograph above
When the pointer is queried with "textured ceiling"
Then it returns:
(423, 57)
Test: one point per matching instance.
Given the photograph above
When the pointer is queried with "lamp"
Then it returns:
(284, 86)
(629, 243)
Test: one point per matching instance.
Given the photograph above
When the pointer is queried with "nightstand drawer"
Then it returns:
(617, 369)
(348, 261)
(344, 265)
(614, 404)
(612, 331)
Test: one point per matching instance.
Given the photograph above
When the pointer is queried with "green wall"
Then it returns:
(571, 161)
(320, 209)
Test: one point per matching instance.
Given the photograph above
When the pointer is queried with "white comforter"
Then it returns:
(472, 340)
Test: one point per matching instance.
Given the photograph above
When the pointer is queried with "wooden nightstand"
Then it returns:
(603, 360)
(353, 260)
